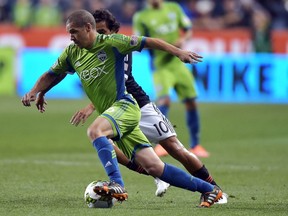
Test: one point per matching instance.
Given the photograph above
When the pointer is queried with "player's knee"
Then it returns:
(164, 101)
(191, 104)
(93, 133)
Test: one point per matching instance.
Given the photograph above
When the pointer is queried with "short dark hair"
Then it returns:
(105, 15)
(81, 18)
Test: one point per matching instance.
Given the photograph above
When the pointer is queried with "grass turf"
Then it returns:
(46, 163)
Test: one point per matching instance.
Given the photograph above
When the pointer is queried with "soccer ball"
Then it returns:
(94, 200)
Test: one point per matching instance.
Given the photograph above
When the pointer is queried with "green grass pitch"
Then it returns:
(46, 163)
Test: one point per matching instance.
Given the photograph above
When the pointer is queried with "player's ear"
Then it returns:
(88, 27)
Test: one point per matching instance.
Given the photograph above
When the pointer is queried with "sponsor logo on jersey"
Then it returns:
(93, 73)
(172, 16)
(134, 40)
(102, 56)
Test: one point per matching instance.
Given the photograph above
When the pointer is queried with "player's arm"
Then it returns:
(185, 36)
(40, 99)
(43, 83)
(184, 56)
(82, 115)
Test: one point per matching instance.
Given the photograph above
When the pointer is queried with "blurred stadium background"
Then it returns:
(243, 95)
(244, 44)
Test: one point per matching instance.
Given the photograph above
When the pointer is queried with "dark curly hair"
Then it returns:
(105, 15)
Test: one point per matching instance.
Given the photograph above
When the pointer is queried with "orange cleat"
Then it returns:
(210, 198)
(160, 151)
(199, 151)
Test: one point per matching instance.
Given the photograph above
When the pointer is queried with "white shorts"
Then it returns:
(154, 124)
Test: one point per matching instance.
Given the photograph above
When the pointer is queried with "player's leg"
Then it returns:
(158, 129)
(148, 159)
(164, 81)
(98, 132)
(186, 91)
(125, 161)
(124, 116)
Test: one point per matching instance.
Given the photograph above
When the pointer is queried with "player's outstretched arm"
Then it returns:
(43, 83)
(82, 115)
(184, 56)
(40, 100)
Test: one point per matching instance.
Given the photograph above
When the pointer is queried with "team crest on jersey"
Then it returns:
(134, 40)
(172, 16)
(102, 56)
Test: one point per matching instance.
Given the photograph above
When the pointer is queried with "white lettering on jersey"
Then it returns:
(93, 73)
(166, 28)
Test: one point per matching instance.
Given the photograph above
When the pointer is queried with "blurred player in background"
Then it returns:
(166, 21)
(99, 60)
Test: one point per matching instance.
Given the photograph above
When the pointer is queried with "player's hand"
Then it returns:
(82, 115)
(190, 57)
(28, 98)
(40, 103)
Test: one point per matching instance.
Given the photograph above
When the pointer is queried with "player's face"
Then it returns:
(79, 35)
(102, 28)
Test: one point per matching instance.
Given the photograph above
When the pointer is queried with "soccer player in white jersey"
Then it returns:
(98, 60)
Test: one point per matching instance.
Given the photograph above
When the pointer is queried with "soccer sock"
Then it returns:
(192, 120)
(203, 174)
(107, 156)
(164, 109)
(184, 180)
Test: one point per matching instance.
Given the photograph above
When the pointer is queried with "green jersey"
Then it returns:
(164, 23)
(101, 68)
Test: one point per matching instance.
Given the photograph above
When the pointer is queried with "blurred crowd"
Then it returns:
(205, 14)
(259, 16)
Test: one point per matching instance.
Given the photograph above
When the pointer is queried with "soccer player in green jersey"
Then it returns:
(98, 60)
(165, 21)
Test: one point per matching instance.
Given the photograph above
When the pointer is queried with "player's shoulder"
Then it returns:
(112, 39)
(71, 48)
(172, 5)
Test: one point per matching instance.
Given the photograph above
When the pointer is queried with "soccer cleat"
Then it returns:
(223, 199)
(200, 151)
(209, 198)
(161, 187)
(112, 189)
(160, 151)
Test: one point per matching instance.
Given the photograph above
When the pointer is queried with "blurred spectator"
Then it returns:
(68, 6)
(47, 14)
(278, 12)
(205, 14)
(96, 5)
(124, 10)
(201, 12)
(22, 13)
(128, 9)
(5, 10)
(261, 31)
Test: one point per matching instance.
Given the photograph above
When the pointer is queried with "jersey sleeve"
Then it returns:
(62, 64)
(184, 21)
(127, 44)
